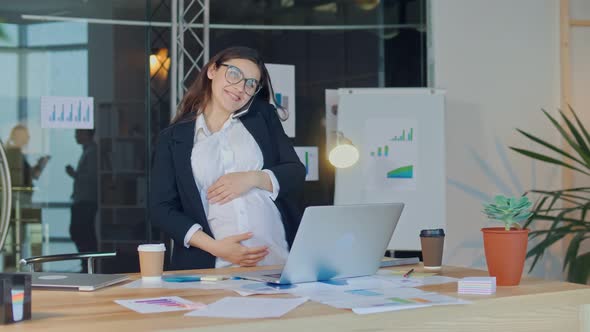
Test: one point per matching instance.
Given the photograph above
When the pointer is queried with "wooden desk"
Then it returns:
(535, 305)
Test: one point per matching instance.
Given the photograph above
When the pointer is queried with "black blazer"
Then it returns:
(175, 203)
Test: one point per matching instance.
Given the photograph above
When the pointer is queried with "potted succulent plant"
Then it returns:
(505, 247)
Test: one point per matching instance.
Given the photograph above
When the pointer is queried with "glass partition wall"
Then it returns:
(75, 191)
(108, 50)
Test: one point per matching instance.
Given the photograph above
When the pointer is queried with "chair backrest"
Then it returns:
(89, 256)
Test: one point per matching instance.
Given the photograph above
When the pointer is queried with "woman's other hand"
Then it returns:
(232, 185)
(230, 249)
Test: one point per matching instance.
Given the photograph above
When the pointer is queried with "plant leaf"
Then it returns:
(579, 270)
(551, 218)
(546, 159)
(566, 197)
(584, 131)
(562, 131)
(584, 212)
(565, 229)
(582, 147)
(541, 203)
(551, 147)
(546, 243)
(572, 249)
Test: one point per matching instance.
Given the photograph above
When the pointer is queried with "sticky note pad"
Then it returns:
(477, 285)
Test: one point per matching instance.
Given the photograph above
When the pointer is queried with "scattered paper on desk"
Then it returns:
(246, 307)
(372, 294)
(437, 280)
(400, 281)
(222, 284)
(365, 297)
(160, 304)
(255, 288)
(385, 307)
(426, 299)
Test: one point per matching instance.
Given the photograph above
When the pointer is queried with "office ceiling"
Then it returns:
(12, 10)
(222, 11)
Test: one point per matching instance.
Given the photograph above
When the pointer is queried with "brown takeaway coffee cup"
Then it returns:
(151, 261)
(432, 241)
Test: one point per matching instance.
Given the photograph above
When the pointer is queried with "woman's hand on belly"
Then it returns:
(230, 249)
(232, 185)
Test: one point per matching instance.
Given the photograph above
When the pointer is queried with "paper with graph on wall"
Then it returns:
(390, 154)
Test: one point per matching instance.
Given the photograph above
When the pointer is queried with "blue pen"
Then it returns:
(198, 278)
(181, 279)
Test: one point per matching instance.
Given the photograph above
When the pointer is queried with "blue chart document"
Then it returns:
(67, 112)
(391, 151)
(309, 158)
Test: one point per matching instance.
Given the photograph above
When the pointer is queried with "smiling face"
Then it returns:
(226, 96)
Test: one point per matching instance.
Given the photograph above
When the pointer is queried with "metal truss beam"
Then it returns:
(190, 45)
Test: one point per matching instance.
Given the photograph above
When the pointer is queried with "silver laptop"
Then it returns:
(76, 281)
(336, 242)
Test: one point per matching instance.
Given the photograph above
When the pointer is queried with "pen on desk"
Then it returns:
(181, 279)
(198, 278)
(407, 274)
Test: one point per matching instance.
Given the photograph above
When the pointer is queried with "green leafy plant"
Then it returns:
(565, 210)
(509, 210)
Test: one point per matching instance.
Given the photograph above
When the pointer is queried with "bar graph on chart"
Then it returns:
(391, 162)
(406, 172)
(309, 158)
(403, 137)
(67, 112)
(70, 115)
(283, 83)
(282, 100)
(381, 152)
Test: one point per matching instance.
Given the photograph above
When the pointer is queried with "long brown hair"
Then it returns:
(199, 93)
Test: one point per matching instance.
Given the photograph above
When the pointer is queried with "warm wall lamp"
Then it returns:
(344, 154)
(159, 63)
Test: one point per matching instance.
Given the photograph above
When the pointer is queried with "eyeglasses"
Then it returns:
(233, 75)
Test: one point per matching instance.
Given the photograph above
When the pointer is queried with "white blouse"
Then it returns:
(233, 149)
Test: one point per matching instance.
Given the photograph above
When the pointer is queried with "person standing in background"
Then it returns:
(85, 195)
(24, 177)
(22, 173)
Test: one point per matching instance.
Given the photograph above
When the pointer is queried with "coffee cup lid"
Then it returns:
(432, 232)
(151, 247)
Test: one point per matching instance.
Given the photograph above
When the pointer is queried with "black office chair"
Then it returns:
(90, 257)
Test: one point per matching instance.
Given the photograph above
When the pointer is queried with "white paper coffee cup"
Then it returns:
(151, 261)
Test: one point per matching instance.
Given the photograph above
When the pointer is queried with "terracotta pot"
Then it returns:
(505, 253)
